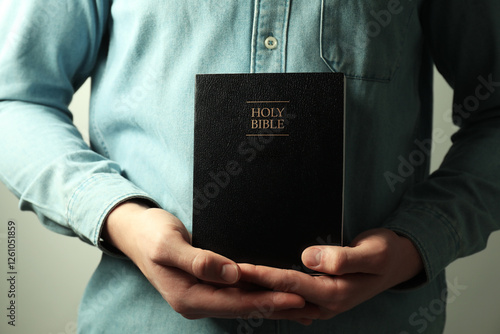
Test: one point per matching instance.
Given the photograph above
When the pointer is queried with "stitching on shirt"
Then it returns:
(286, 18)
(255, 33)
(76, 194)
(374, 78)
(441, 216)
(444, 219)
(99, 135)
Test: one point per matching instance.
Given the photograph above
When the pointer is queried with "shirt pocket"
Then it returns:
(364, 38)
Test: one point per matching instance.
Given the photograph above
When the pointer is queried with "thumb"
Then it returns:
(203, 264)
(368, 254)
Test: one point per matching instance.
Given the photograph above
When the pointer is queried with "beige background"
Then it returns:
(53, 269)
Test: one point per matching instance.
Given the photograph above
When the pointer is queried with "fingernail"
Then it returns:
(229, 273)
(312, 257)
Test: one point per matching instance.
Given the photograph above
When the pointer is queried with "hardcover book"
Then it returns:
(268, 165)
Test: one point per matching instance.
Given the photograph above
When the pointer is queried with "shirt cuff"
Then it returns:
(92, 202)
(433, 235)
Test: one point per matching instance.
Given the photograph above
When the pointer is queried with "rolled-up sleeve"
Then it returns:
(49, 48)
(452, 213)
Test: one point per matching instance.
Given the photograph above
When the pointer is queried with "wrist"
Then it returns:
(117, 227)
(416, 275)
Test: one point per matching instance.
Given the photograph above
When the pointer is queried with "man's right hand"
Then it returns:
(196, 283)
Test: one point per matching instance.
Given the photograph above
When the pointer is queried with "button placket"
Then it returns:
(269, 36)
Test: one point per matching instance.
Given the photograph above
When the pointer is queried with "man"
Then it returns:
(131, 193)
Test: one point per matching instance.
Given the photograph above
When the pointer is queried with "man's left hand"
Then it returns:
(375, 261)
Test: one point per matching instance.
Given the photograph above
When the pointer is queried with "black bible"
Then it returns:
(268, 165)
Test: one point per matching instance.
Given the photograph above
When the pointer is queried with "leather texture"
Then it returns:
(265, 190)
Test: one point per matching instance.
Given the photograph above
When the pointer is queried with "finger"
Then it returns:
(334, 294)
(234, 302)
(240, 284)
(314, 289)
(277, 279)
(304, 315)
(195, 300)
(369, 254)
(263, 310)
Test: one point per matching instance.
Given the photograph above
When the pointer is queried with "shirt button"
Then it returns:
(271, 43)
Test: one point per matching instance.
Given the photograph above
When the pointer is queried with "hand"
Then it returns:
(376, 260)
(195, 282)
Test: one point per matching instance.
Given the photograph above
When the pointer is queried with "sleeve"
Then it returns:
(49, 48)
(453, 212)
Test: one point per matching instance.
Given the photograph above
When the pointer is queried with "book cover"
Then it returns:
(268, 165)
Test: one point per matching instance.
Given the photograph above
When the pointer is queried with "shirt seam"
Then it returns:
(286, 21)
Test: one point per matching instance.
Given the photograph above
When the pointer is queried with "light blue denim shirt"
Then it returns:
(143, 55)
